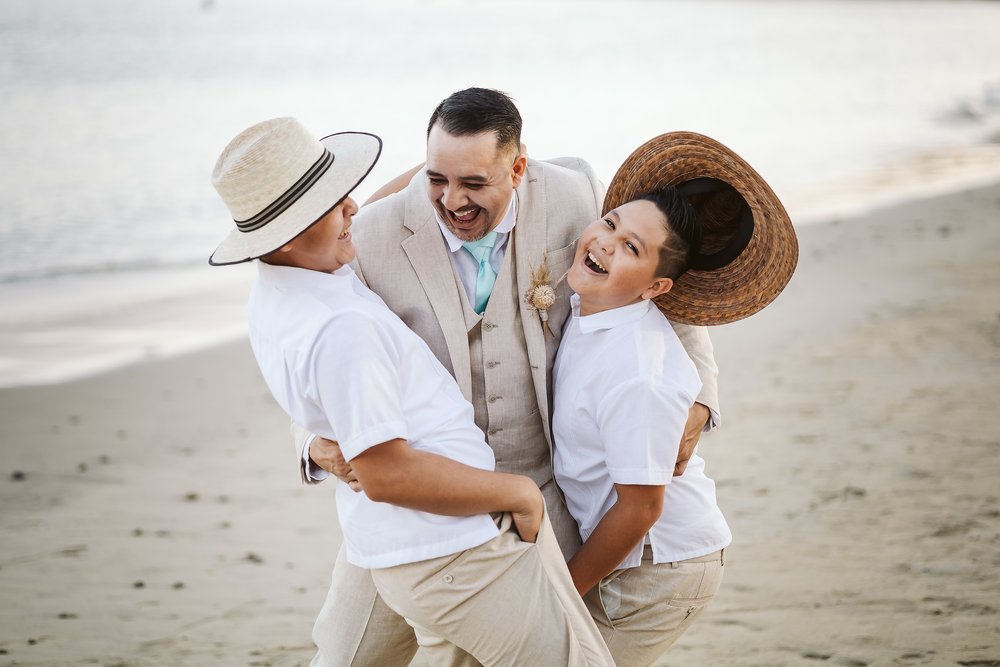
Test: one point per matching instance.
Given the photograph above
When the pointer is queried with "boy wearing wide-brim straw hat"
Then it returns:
(688, 226)
(342, 365)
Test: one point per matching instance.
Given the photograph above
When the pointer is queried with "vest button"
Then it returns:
(494, 399)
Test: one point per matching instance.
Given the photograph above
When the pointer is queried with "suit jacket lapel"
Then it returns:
(531, 233)
(430, 261)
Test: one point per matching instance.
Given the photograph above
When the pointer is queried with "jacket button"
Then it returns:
(448, 578)
(494, 399)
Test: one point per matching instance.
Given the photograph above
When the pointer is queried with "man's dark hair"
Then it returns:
(476, 110)
(683, 231)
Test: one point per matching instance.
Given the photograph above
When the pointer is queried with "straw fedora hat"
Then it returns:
(749, 250)
(278, 180)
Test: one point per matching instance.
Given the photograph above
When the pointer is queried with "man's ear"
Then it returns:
(518, 169)
(657, 287)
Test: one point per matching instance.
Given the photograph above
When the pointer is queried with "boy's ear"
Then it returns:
(658, 287)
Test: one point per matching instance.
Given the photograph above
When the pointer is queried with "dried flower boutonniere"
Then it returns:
(541, 295)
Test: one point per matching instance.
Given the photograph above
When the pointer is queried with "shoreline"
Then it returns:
(73, 326)
(153, 514)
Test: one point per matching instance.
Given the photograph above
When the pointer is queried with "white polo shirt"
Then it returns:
(623, 387)
(342, 365)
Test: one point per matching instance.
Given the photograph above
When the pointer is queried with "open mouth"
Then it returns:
(591, 262)
(345, 234)
(465, 216)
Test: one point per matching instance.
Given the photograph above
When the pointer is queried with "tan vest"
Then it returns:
(503, 392)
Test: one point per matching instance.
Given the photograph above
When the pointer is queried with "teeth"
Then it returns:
(594, 260)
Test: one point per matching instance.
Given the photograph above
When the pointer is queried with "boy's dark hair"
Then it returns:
(683, 231)
(476, 110)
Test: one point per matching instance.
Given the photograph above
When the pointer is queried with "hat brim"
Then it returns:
(355, 153)
(759, 273)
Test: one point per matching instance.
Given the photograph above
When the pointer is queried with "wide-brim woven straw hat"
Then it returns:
(751, 267)
(278, 180)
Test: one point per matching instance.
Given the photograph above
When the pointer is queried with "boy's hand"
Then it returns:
(327, 455)
(528, 515)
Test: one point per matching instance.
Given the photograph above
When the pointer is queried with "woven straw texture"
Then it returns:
(756, 277)
(263, 161)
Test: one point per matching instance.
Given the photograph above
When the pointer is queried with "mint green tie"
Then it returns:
(482, 250)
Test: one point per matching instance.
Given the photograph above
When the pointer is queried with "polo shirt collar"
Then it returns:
(609, 319)
(505, 226)
(290, 276)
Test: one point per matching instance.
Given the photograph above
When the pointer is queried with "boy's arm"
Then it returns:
(625, 524)
(395, 473)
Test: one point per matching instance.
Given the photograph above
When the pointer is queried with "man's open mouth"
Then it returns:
(465, 216)
(593, 264)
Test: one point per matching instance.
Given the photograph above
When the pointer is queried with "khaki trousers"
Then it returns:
(506, 602)
(642, 611)
(355, 628)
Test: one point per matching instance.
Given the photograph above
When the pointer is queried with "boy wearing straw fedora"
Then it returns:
(341, 364)
(691, 228)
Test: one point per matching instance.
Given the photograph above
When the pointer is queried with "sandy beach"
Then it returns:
(152, 515)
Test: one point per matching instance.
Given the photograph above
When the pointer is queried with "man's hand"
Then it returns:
(697, 418)
(327, 455)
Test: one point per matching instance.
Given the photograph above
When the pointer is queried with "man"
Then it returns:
(453, 255)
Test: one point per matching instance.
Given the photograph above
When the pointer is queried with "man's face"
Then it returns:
(471, 181)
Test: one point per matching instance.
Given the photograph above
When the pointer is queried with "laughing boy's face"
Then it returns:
(617, 257)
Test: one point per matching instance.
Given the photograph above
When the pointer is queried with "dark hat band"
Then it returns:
(290, 196)
(736, 244)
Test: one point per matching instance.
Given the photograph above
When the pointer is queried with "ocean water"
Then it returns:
(113, 111)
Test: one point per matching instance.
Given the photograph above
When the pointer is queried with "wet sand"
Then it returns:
(153, 515)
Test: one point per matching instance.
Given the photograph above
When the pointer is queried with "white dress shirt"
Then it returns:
(623, 387)
(466, 266)
(342, 365)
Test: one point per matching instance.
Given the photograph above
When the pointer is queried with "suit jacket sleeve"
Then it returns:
(699, 347)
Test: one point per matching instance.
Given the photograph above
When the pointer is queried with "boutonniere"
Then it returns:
(541, 295)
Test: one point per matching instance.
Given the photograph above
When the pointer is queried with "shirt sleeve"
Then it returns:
(641, 424)
(355, 375)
